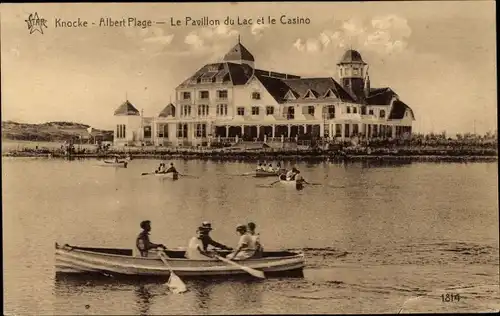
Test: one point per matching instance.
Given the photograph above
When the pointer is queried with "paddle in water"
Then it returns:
(174, 283)
(255, 273)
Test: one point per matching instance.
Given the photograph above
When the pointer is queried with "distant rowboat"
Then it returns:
(84, 260)
(113, 163)
(264, 173)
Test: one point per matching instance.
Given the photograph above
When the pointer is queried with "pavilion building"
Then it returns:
(233, 99)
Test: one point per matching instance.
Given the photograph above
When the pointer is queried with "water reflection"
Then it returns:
(144, 299)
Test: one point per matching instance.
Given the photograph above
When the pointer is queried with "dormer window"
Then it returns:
(330, 94)
(213, 68)
(309, 95)
(206, 80)
(289, 95)
(255, 95)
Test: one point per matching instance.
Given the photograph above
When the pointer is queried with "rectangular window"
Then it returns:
(203, 110)
(382, 113)
(348, 109)
(255, 110)
(201, 130)
(310, 110)
(221, 109)
(256, 96)
(120, 131)
(204, 95)
(182, 130)
(346, 130)
(363, 110)
(290, 115)
(222, 94)
(269, 110)
(241, 111)
(326, 130)
(355, 130)
(354, 110)
(147, 131)
(186, 110)
(186, 95)
(370, 112)
(338, 130)
(163, 131)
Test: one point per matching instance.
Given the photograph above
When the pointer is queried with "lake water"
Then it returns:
(377, 238)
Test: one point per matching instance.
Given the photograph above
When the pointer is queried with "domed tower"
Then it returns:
(352, 73)
(240, 55)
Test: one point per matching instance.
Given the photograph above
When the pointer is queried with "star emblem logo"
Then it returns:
(35, 23)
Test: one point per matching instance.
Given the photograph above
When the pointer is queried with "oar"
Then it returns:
(268, 185)
(187, 175)
(255, 273)
(147, 173)
(174, 283)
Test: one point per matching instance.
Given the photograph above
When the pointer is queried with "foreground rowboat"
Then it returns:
(82, 260)
(119, 164)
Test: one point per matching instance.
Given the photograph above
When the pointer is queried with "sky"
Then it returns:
(439, 57)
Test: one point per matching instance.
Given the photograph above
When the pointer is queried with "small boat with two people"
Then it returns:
(163, 172)
(292, 178)
(116, 162)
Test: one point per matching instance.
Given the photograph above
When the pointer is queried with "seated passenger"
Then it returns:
(246, 245)
(256, 238)
(195, 249)
(270, 168)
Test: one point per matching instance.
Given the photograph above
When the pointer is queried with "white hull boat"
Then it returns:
(110, 261)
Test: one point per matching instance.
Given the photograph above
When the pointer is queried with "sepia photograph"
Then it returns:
(249, 158)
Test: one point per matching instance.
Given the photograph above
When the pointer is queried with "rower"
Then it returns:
(171, 169)
(246, 245)
(259, 167)
(143, 243)
(270, 168)
(207, 240)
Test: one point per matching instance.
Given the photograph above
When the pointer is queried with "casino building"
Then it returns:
(233, 100)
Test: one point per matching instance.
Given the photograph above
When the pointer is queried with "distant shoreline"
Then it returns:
(257, 156)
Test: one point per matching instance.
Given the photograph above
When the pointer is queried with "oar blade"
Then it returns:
(175, 284)
(255, 273)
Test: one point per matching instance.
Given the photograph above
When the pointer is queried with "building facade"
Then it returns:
(233, 100)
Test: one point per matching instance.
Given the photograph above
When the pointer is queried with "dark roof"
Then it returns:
(380, 96)
(238, 52)
(226, 72)
(126, 108)
(398, 110)
(168, 110)
(351, 56)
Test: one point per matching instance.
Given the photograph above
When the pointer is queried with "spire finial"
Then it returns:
(239, 39)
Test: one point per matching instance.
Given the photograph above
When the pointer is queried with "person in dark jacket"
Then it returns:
(143, 243)
(205, 229)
